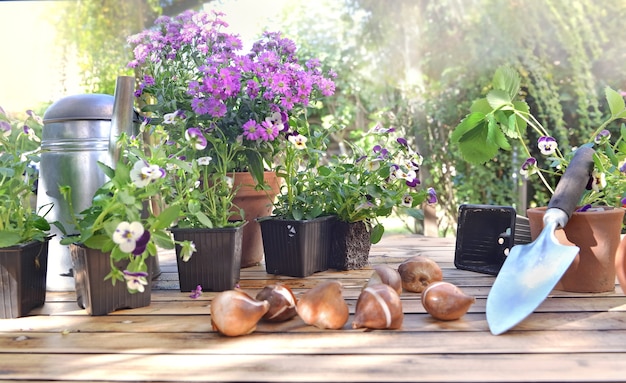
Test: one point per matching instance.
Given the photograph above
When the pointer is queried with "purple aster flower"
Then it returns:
(251, 130)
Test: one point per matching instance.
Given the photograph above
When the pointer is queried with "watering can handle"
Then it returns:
(123, 113)
(570, 187)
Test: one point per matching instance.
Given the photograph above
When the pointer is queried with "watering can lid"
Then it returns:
(80, 107)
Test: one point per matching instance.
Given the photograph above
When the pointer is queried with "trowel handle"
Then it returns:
(573, 182)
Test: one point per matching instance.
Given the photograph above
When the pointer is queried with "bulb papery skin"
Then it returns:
(418, 272)
(387, 275)
(323, 306)
(378, 307)
(282, 302)
(235, 313)
(445, 301)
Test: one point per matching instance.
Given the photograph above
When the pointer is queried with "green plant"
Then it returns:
(373, 183)
(200, 185)
(19, 154)
(121, 219)
(499, 118)
(189, 66)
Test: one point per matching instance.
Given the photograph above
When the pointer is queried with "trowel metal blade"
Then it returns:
(526, 278)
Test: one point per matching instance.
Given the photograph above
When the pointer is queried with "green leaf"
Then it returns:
(9, 238)
(98, 241)
(481, 106)
(470, 122)
(377, 233)
(498, 98)
(166, 217)
(616, 103)
(508, 80)
(204, 220)
(163, 239)
(478, 146)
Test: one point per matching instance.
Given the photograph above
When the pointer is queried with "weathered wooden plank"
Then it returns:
(337, 368)
(378, 342)
(131, 321)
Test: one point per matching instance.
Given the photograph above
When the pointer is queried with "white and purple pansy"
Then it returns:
(143, 173)
(196, 138)
(136, 280)
(547, 145)
(127, 234)
(529, 167)
(432, 196)
(602, 137)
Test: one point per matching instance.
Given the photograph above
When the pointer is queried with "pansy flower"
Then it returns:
(196, 138)
(298, 141)
(5, 128)
(432, 196)
(143, 173)
(547, 145)
(602, 137)
(136, 280)
(169, 118)
(127, 234)
(529, 167)
(598, 181)
(407, 200)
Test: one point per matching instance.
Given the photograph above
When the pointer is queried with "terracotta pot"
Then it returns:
(597, 234)
(255, 204)
(620, 264)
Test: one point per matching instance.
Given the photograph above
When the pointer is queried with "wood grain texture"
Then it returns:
(570, 337)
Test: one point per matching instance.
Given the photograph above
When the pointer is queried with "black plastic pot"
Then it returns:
(296, 248)
(23, 270)
(216, 264)
(93, 293)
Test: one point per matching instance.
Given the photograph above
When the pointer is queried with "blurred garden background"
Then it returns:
(412, 64)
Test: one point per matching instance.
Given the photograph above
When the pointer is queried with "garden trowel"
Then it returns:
(531, 271)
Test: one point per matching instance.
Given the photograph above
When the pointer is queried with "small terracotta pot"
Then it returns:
(255, 204)
(620, 264)
(597, 234)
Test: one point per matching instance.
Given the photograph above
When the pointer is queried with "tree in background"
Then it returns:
(418, 64)
(94, 32)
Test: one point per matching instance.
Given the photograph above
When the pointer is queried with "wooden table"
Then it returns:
(571, 337)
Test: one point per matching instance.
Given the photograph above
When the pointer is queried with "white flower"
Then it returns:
(126, 235)
(298, 140)
(136, 280)
(204, 160)
(169, 118)
(143, 173)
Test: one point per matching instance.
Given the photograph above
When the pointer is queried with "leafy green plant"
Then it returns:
(121, 219)
(19, 153)
(500, 117)
(373, 183)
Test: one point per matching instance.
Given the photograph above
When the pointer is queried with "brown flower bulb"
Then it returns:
(323, 306)
(418, 272)
(445, 301)
(378, 307)
(282, 302)
(387, 275)
(235, 313)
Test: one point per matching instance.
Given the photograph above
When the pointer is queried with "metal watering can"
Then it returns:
(79, 131)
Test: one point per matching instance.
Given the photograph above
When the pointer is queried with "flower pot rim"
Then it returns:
(280, 218)
(224, 228)
(597, 210)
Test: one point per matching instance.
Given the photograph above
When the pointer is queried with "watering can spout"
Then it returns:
(122, 119)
